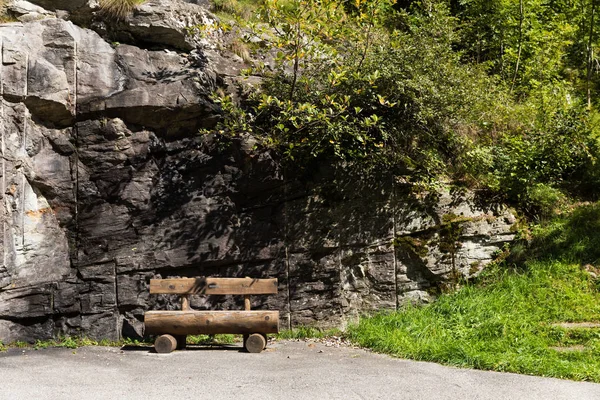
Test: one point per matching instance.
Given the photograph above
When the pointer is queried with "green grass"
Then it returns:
(71, 342)
(221, 339)
(504, 322)
(216, 339)
(235, 9)
(75, 342)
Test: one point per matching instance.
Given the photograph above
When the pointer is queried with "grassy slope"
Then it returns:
(504, 322)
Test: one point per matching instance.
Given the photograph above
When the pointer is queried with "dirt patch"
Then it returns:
(569, 349)
(574, 325)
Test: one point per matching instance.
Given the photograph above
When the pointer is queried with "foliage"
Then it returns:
(212, 339)
(547, 40)
(532, 169)
(571, 238)
(234, 9)
(546, 53)
(506, 322)
(119, 9)
(496, 94)
(346, 88)
(546, 198)
(73, 342)
(70, 342)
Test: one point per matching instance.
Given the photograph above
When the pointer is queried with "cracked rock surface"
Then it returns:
(106, 183)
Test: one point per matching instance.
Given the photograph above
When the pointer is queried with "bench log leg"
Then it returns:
(255, 343)
(266, 339)
(165, 344)
(264, 335)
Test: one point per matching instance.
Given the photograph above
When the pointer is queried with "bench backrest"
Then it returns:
(208, 286)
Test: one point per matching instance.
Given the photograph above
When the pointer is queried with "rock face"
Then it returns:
(105, 184)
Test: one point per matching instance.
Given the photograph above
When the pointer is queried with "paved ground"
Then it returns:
(286, 370)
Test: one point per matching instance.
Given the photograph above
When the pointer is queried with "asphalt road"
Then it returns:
(286, 370)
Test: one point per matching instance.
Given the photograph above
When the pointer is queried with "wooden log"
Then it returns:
(247, 302)
(213, 286)
(165, 344)
(185, 303)
(266, 339)
(211, 322)
(255, 343)
(245, 337)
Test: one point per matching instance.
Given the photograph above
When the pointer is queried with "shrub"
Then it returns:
(535, 167)
(373, 82)
(345, 87)
(545, 198)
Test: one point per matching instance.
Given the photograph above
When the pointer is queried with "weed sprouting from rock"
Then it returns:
(118, 9)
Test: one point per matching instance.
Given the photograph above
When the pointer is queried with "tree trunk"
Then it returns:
(590, 57)
(521, 17)
(296, 60)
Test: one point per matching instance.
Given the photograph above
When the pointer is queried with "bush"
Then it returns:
(545, 199)
(234, 8)
(371, 83)
(535, 168)
(346, 87)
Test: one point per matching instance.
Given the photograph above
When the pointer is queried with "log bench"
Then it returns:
(174, 326)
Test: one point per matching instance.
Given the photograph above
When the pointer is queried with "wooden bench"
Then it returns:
(174, 326)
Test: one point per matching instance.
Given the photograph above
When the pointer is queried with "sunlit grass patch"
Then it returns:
(232, 9)
(213, 339)
(72, 342)
(507, 321)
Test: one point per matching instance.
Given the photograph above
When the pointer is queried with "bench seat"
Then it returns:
(194, 322)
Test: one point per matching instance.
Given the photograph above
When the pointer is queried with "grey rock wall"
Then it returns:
(105, 184)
